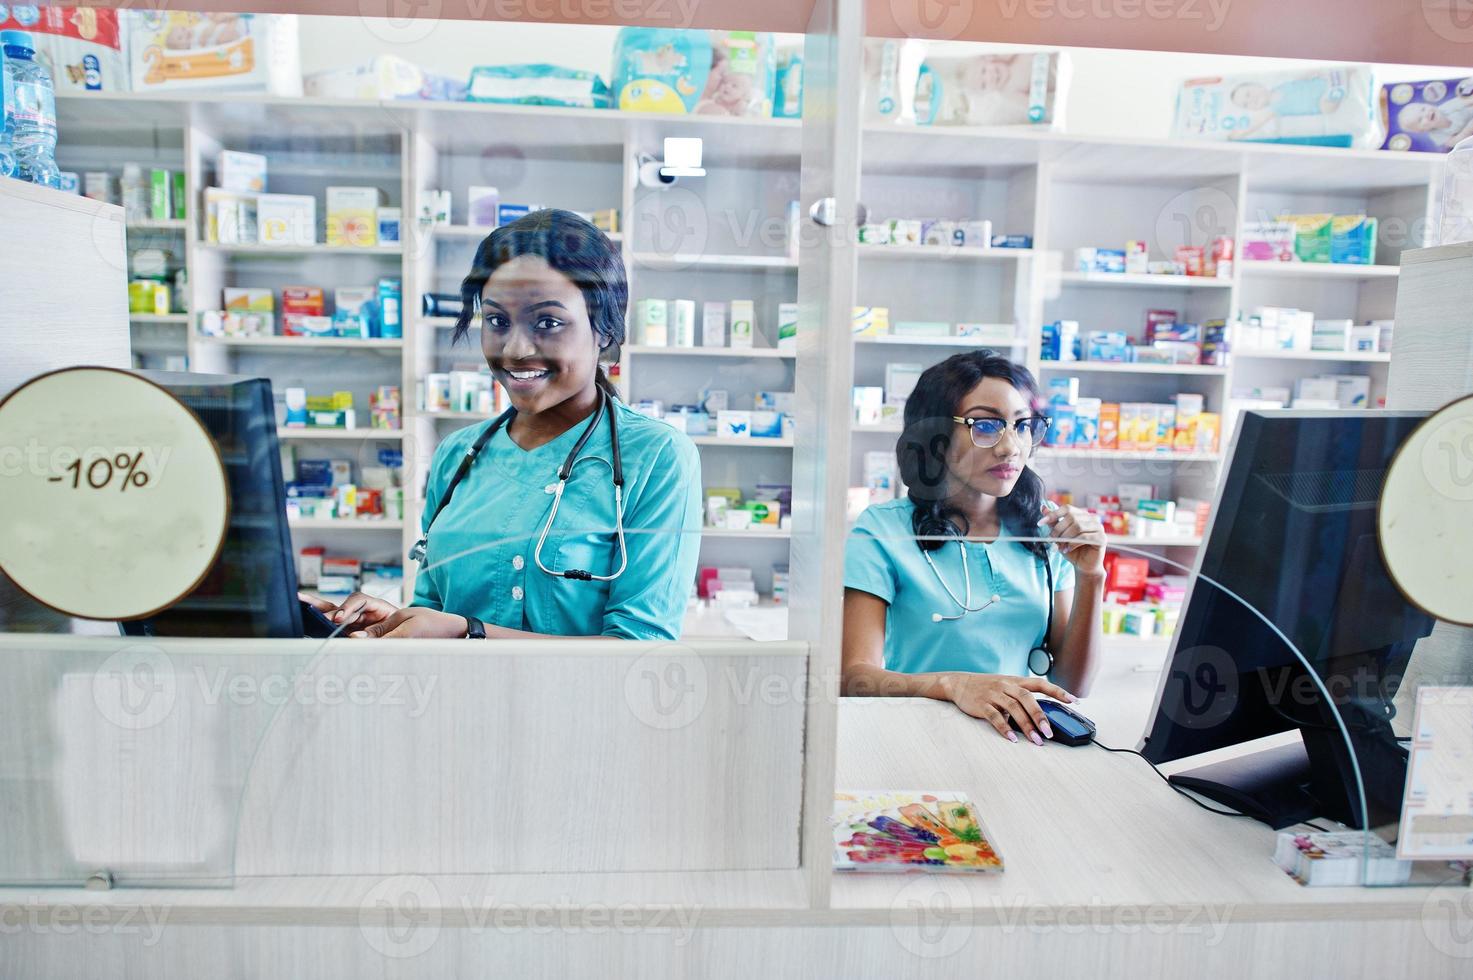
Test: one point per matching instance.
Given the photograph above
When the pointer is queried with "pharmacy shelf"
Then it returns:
(344, 524)
(180, 318)
(375, 344)
(1113, 367)
(888, 428)
(654, 261)
(1140, 280)
(315, 433)
(771, 353)
(156, 224)
(967, 343)
(1049, 452)
(1319, 270)
(751, 532)
(445, 322)
(1335, 356)
(751, 442)
(376, 251)
(944, 253)
(474, 233)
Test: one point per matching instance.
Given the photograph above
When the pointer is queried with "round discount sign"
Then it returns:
(115, 499)
(1423, 520)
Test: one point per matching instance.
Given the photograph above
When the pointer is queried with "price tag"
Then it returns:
(1423, 526)
(115, 498)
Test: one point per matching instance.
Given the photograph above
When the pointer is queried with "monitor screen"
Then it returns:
(251, 589)
(1292, 555)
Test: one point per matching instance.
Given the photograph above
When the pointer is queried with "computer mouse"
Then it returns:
(1070, 727)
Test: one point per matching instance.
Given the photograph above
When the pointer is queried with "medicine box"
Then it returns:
(160, 195)
(651, 321)
(389, 225)
(507, 213)
(1268, 241)
(1353, 239)
(743, 323)
(286, 219)
(390, 303)
(243, 173)
(1311, 236)
(248, 299)
(713, 324)
(308, 300)
(871, 321)
(900, 380)
(481, 206)
(352, 216)
(682, 322)
(787, 326)
(733, 424)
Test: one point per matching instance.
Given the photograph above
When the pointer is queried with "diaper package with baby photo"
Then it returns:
(891, 69)
(1333, 105)
(659, 69)
(742, 77)
(81, 47)
(992, 90)
(1430, 117)
(235, 52)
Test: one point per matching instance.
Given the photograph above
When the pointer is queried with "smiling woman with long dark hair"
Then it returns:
(939, 600)
(508, 554)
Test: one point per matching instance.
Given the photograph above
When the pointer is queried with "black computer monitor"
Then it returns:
(251, 590)
(1294, 535)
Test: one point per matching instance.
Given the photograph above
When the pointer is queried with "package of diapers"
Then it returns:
(891, 68)
(537, 85)
(742, 77)
(659, 69)
(1332, 105)
(1020, 89)
(1430, 117)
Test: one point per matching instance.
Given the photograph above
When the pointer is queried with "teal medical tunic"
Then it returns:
(883, 559)
(479, 555)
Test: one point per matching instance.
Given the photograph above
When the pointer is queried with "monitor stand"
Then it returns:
(1271, 786)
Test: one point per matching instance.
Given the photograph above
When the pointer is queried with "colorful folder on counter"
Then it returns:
(910, 830)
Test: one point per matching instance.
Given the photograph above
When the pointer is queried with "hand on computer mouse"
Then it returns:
(1004, 701)
(357, 611)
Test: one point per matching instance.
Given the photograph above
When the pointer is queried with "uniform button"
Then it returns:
(516, 592)
(517, 562)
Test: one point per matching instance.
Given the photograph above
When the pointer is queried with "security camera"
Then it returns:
(652, 172)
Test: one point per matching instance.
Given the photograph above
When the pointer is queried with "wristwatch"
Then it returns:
(474, 628)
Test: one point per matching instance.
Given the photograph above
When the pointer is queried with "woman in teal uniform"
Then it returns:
(571, 514)
(972, 616)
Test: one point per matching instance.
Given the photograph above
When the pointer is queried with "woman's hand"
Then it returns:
(415, 622)
(1082, 538)
(997, 697)
(359, 610)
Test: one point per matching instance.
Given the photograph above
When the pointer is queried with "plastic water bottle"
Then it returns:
(7, 155)
(32, 111)
(1455, 223)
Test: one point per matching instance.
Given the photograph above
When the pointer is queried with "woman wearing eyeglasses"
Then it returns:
(940, 601)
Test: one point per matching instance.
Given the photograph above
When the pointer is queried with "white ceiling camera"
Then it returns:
(682, 159)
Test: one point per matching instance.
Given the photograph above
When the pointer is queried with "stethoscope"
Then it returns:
(418, 552)
(1040, 659)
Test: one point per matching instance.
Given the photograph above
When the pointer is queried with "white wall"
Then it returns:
(1113, 93)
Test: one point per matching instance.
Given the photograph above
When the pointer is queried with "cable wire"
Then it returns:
(1168, 782)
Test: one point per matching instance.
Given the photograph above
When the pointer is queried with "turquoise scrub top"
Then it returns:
(500, 508)
(883, 559)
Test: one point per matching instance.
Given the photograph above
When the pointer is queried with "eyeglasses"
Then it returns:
(987, 432)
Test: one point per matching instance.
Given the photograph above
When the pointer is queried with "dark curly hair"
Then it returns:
(573, 247)
(922, 447)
